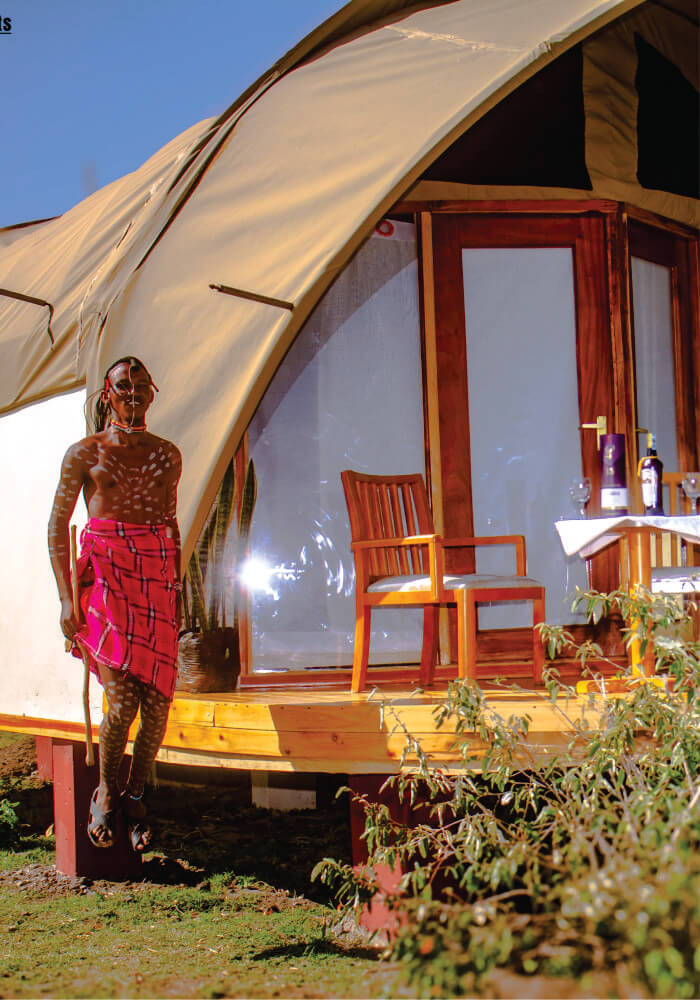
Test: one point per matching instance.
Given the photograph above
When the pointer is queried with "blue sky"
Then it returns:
(89, 89)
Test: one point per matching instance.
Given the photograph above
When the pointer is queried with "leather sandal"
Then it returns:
(106, 821)
(138, 828)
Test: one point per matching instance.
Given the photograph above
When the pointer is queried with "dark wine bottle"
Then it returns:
(651, 473)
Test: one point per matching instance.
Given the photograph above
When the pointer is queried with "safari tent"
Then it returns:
(436, 237)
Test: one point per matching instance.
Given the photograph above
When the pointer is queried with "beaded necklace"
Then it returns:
(127, 428)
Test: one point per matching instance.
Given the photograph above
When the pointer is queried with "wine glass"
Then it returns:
(580, 493)
(691, 488)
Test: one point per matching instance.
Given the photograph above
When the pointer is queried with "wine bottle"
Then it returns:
(651, 472)
(614, 495)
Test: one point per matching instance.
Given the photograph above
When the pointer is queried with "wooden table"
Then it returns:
(586, 537)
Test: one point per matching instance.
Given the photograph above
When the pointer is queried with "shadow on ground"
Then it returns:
(215, 829)
(206, 827)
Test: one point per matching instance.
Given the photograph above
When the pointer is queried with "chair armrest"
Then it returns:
(403, 542)
(517, 540)
(435, 558)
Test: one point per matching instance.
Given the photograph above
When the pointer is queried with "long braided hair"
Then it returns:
(100, 408)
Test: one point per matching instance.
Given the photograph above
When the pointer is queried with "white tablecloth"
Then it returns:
(591, 535)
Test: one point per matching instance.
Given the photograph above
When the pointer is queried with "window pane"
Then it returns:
(653, 348)
(523, 414)
(348, 395)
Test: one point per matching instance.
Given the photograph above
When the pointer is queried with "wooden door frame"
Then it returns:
(675, 250)
(616, 309)
(444, 233)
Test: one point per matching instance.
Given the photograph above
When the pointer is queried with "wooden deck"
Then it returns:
(330, 730)
(338, 732)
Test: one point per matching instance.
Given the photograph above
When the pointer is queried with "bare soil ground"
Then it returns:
(17, 757)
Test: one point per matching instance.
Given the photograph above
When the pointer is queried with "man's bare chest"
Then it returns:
(134, 468)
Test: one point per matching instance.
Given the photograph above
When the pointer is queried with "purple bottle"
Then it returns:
(614, 495)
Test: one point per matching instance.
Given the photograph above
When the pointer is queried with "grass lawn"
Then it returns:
(225, 908)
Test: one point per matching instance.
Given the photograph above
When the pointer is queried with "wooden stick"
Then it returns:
(89, 753)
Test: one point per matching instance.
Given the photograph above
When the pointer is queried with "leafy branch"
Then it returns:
(583, 863)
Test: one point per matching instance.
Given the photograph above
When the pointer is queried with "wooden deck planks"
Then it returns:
(333, 730)
(341, 732)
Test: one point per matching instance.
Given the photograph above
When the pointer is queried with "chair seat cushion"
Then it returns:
(675, 580)
(469, 580)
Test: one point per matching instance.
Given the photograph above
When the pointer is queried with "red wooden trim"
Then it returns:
(49, 727)
(679, 254)
(453, 402)
(661, 222)
(693, 257)
(686, 336)
(595, 360)
(655, 245)
(44, 757)
(241, 594)
(511, 206)
(620, 316)
(426, 297)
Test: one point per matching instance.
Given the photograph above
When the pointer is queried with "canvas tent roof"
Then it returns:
(271, 198)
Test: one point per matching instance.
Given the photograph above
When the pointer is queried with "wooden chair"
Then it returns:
(399, 560)
(675, 563)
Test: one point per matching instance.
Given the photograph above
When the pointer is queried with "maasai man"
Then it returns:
(129, 573)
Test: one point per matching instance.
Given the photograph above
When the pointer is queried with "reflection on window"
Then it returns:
(348, 395)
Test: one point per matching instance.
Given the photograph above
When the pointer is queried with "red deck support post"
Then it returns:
(44, 757)
(376, 917)
(73, 785)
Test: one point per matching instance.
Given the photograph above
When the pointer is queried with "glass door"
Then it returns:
(664, 303)
(347, 395)
(523, 360)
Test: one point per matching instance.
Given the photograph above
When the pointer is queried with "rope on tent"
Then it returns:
(34, 301)
(253, 296)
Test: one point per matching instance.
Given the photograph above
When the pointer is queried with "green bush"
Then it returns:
(9, 823)
(587, 861)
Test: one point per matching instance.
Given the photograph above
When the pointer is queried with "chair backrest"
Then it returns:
(678, 502)
(668, 549)
(382, 507)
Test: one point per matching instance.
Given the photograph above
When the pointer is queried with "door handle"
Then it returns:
(600, 427)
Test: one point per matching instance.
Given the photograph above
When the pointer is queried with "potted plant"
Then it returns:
(209, 650)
